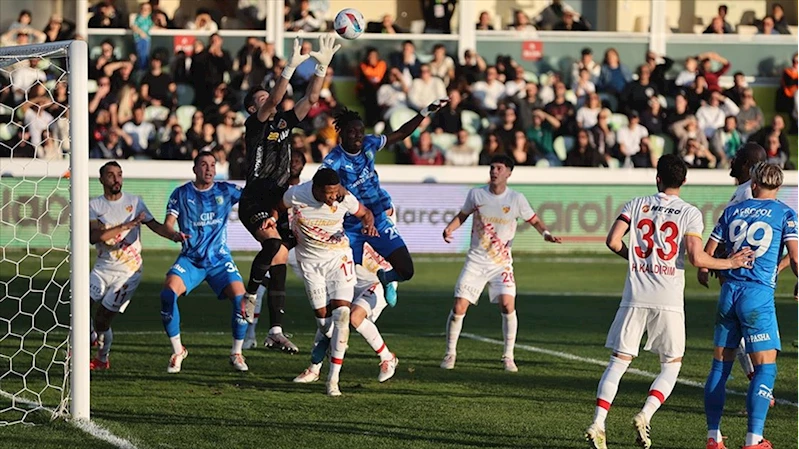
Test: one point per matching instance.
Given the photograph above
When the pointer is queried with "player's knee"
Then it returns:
(282, 255)
(404, 269)
(357, 315)
(270, 248)
(341, 317)
(664, 359)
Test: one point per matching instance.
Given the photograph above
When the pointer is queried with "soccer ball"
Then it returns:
(349, 23)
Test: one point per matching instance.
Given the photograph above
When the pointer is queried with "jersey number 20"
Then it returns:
(742, 232)
(648, 228)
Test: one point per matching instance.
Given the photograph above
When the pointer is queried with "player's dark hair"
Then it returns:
(503, 159)
(344, 117)
(299, 154)
(249, 99)
(671, 171)
(109, 164)
(201, 155)
(747, 156)
(325, 177)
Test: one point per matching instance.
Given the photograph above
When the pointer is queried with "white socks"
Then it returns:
(177, 346)
(509, 326)
(275, 330)
(259, 298)
(104, 340)
(608, 387)
(369, 331)
(454, 326)
(338, 342)
(753, 439)
(661, 388)
(715, 435)
(236, 348)
(745, 361)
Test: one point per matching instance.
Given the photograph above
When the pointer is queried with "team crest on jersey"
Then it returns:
(791, 223)
(370, 155)
(220, 200)
(506, 209)
(333, 208)
(645, 209)
(344, 258)
(129, 208)
(282, 124)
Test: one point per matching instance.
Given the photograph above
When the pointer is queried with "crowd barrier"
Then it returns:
(577, 204)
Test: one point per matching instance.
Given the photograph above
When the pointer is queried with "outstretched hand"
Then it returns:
(327, 48)
(296, 57)
(434, 107)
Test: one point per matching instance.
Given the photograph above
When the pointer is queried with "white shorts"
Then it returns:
(665, 332)
(328, 279)
(474, 277)
(373, 301)
(113, 289)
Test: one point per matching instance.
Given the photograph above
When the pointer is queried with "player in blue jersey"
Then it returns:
(746, 303)
(201, 210)
(354, 161)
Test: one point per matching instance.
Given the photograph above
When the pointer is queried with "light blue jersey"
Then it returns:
(202, 214)
(763, 225)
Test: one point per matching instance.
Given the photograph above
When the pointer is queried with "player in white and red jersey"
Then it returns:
(663, 229)
(325, 257)
(496, 209)
(368, 303)
(114, 222)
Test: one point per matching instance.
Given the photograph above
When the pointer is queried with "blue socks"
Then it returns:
(715, 394)
(237, 322)
(758, 399)
(170, 315)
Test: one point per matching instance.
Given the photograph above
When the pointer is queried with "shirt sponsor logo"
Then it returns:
(752, 212)
(208, 219)
(662, 209)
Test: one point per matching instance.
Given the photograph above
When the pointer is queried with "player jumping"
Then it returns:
(354, 161)
(325, 257)
(115, 219)
(201, 210)
(663, 228)
(746, 303)
(268, 155)
(489, 260)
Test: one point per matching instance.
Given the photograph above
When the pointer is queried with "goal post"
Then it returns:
(44, 323)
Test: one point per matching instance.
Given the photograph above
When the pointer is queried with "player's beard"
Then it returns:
(115, 189)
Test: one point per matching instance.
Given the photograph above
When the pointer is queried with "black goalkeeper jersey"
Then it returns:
(268, 151)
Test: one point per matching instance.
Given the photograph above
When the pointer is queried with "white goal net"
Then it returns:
(43, 159)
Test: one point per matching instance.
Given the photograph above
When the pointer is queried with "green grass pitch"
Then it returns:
(565, 306)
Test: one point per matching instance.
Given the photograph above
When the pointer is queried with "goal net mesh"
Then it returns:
(34, 234)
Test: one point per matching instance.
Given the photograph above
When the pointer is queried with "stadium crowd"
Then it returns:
(604, 112)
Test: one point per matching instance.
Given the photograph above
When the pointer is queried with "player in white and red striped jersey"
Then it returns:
(114, 229)
(324, 255)
(663, 229)
(496, 208)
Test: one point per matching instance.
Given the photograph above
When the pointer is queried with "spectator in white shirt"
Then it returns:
(442, 66)
(489, 92)
(24, 77)
(686, 77)
(140, 132)
(393, 95)
(583, 85)
(461, 153)
(711, 115)
(38, 121)
(586, 62)
(426, 89)
(629, 137)
(517, 87)
(587, 116)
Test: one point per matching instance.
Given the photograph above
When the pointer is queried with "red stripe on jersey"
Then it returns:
(381, 348)
(624, 218)
(531, 218)
(603, 403)
(336, 361)
(658, 395)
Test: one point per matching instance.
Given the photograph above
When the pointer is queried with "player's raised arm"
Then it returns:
(410, 126)
(99, 234)
(615, 238)
(327, 48)
(269, 107)
(699, 258)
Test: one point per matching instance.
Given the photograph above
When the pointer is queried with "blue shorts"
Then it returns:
(388, 241)
(748, 311)
(218, 277)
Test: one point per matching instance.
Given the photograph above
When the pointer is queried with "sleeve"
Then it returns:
(377, 143)
(789, 226)
(331, 162)
(291, 118)
(141, 207)
(468, 205)
(288, 197)
(351, 204)
(626, 213)
(234, 190)
(526, 211)
(719, 231)
(92, 212)
(695, 225)
(173, 206)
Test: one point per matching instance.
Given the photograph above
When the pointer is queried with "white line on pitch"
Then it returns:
(90, 427)
(577, 358)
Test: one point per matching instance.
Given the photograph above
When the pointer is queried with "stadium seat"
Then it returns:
(8, 131)
(156, 113)
(571, 97)
(185, 94)
(613, 163)
(618, 121)
(475, 142)
(91, 86)
(559, 146)
(471, 121)
(184, 114)
(444, 141)
(399, 117)
(793, 29)
(6, 110)
(531, 77)
(417, 26)
(542, 163)
(746, 30)
(657, 144)
(668, 143)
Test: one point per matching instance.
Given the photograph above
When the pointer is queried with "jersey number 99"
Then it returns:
(742, 232)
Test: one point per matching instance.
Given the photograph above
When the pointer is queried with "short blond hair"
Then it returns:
(767, 176)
